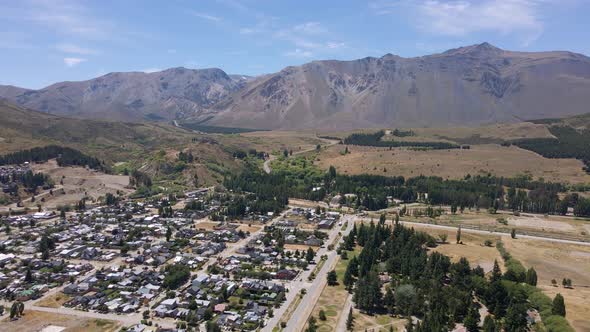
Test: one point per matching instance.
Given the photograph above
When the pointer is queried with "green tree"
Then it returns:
(322, 315)
(332, 278)
(405, 298)
(471, 321)
(312, 325)
(558, 305)
(531, 277)
(515, 320)
(513, 233)
(489, 325)
(389, 301)
(168, 234)
(350, 320)
(309, 255)
(458, 236)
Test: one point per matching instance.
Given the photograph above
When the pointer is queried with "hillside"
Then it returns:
(169, 94)
(151, 147)
(472, 85)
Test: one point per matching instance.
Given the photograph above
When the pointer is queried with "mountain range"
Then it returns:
(471, 85)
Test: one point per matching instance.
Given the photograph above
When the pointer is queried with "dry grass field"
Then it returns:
(472, 248)
(566, 227)
(273, 141)
(504, 131)
(558, 261)
(451, 164)
(78, 180)
(37, 320)
(53, 301)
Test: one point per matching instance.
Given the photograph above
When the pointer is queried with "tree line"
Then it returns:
(375, 139)
(65, 157)
(569, 143)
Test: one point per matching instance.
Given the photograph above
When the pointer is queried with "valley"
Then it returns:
(196, 213)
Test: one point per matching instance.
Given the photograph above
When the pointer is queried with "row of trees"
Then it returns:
(375, 139)
(65, 157)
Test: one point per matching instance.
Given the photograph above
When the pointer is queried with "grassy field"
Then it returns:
(53, 301)
(37, 320)
(273, 141)
(451, 164)
(558, 261)
(525, 223)
(333, 298)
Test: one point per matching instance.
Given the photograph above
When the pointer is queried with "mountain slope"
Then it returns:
(22, 128)
(466, 86)
(165, 95)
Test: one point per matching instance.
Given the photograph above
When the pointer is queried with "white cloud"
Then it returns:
(71, 62)
(151, 70)
(311, 28)
(205, 16)
(75, 49)
(335, 45)
(299, 53)
(68, 17)
(459, 18)
(248, 31)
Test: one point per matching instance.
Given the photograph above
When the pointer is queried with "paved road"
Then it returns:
(313, 289)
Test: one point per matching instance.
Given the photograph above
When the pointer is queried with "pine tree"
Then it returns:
(496, 272)
(168, 234)
(531, 277)
(350, 320)
(348, 279)
(312, 325)
(558, 305)
(472, 319)
(332, 278)
(389, 301)
(309, 255)
(489, 325)
(458, 234)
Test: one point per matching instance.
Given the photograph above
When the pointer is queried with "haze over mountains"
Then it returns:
(466, 86)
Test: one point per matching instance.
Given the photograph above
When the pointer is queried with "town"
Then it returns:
(164, 263)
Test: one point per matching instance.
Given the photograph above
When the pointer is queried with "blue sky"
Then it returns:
(47, 41)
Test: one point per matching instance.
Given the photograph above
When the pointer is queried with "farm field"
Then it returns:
(451, 164)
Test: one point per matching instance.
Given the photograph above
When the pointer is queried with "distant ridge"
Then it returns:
(471, 85)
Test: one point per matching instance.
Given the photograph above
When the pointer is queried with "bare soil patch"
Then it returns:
(531, 221)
